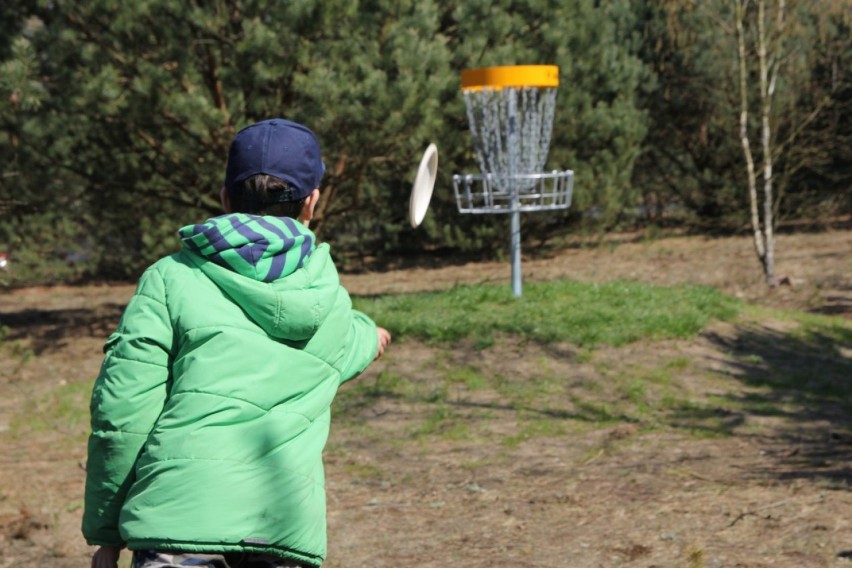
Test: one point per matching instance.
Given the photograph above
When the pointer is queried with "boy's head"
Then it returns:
(274, 168)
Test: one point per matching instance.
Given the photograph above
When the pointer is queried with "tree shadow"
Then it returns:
(48, 329)
(804, 377)
(836, 304)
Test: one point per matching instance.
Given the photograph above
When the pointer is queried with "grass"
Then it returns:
(470, 377)
(458, 400)
(544, 404)
(584, 314)
(454, 398)
(811, 362)
(64, 409)
(536, 427)
(792, 372)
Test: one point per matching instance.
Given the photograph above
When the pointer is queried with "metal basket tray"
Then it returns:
(492, 193)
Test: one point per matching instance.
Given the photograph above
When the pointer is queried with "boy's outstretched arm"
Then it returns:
(364, 342)
(384, 337)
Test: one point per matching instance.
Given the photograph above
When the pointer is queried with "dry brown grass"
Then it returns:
(667, 454)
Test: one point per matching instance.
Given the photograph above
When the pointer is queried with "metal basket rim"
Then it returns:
(533, 176)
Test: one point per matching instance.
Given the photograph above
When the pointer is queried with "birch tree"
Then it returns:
(769, 48)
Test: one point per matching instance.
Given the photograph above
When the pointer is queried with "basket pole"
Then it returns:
(515, 229)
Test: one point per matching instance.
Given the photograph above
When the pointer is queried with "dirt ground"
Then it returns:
(730, 449)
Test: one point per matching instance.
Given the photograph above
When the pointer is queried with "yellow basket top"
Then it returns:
(510, 76)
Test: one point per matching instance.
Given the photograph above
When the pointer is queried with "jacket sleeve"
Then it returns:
(363, 345)
(127, 398)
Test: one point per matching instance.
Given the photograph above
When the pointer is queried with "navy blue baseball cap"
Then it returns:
(276, 147)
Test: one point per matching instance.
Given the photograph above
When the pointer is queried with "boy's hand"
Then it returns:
(384, 340)
(106, 557)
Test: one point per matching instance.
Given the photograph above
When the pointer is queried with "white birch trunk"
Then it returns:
(769, 54)
(744, 139)
(766, 91)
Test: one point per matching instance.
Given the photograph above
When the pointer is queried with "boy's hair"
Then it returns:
(263, 194)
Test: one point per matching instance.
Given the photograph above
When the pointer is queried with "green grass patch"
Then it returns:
(536, 428)
(789, 364)
(444, 423)
(678, 364)
(585, 314)
(363, 471)
(811, 327)
(467, 376)
(811, 359)
(520, 393)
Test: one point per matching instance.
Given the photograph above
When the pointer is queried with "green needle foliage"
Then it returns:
(115, 117)
(584, 314)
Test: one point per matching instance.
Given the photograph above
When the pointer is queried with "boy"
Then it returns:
(211, 408)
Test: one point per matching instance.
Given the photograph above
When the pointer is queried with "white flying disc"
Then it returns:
(421, 191)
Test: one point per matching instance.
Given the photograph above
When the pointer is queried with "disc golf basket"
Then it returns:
(510, 113)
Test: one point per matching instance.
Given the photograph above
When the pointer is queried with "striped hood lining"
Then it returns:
(262, 248)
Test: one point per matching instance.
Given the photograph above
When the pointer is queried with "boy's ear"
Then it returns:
(225, 200)
(308, 207)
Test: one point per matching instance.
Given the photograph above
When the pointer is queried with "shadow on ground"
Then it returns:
(48, 330)
(836, 304)
(806, 378)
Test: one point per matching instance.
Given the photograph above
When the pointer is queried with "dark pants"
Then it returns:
(155, 559)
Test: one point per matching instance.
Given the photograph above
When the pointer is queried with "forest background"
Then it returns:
(115, 118)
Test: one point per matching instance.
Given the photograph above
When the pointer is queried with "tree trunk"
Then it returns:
(767, 89)
(769, 53)
(759, 247)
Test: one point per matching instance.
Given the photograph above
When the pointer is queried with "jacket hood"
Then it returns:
(260, 248)
(270, 266)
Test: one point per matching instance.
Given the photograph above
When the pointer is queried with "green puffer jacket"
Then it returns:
(211, 409)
